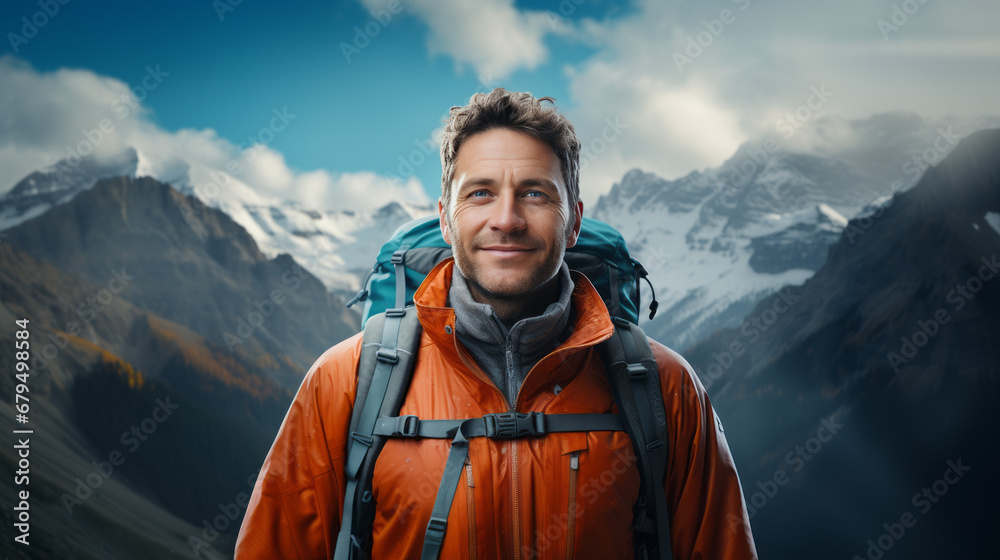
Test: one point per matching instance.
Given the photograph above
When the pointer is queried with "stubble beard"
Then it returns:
(530, 295)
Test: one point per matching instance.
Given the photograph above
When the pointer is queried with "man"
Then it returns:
(506, 326)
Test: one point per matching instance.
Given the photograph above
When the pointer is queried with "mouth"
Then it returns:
(507, 250)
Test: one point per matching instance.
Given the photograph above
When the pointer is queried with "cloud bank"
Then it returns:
(78, 113)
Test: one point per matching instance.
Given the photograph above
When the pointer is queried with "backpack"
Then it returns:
(600, 253)
(390, 341)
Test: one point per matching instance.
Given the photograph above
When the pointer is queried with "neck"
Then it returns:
(511, 309)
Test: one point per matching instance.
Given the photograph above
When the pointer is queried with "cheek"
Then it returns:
(464, 220)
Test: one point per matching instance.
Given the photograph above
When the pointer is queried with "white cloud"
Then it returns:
(48, 115)
(760, 65)
(670, 123)
(664, 128)
(359, 190)
(492, 36)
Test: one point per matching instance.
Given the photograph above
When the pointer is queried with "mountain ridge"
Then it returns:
(135, 228)
(894, 339)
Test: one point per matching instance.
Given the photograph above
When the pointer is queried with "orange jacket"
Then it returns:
(519, 499)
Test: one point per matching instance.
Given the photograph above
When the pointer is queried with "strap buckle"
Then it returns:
(406, 426)
(388, 356)
(510, 425)
(435, 530)
(397, 256)
(635, 371)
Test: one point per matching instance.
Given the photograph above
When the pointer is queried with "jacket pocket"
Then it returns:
(574, 472)
(573, 445)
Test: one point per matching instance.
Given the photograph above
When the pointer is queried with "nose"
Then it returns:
(508, 215)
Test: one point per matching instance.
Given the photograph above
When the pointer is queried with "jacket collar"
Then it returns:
(591, 321)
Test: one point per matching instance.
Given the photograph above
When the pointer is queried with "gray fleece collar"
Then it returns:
(477, 321)
(507, 355)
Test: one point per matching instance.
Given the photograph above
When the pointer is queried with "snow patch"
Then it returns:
(993, 219)
(835, 217)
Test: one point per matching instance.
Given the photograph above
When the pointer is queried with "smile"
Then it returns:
(507, 251)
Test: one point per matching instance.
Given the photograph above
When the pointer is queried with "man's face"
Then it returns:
(510, 221)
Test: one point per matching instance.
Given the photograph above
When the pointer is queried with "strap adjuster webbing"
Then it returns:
(436, 528)
(362, 439)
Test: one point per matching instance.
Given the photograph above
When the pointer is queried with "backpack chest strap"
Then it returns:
(505, 425)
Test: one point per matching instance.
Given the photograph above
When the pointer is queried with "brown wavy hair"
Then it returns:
(517, 111)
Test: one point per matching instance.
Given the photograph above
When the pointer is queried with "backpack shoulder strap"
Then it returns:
(635, 383)
(388, 348)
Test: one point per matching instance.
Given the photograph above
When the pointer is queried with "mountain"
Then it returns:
(168, 342)
(863, 395)
(735, 233)
(715, 242)
(713, 250)
(41, 190)
(90, 475)
(336, 246)
(140, 293)
(204, 272)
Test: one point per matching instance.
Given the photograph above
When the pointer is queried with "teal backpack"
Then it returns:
(600, 253)
(389, 347)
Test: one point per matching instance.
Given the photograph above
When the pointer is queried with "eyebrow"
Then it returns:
(529, 182)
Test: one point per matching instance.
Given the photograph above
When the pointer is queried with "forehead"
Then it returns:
(501, 148)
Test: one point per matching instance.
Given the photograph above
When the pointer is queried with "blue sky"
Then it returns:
(680, 105)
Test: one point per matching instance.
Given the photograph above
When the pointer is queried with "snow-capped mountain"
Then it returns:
(699, 258)
(58, 183)
(888, 341)
(714, 241)
(338, 247)
(717, 241)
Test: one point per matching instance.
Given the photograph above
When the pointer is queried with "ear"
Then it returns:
(443, 217)
(574, 235)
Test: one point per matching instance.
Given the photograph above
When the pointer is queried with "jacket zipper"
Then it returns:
(510, 364)
(478, 372)
(471, 506)
(512, 407)
(574, 467)
(516, 506)
(513, 454)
